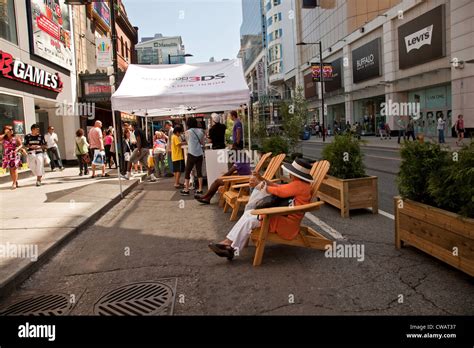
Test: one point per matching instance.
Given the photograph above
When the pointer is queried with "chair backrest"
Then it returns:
(262, 161)
(318, 172)
(273, 166)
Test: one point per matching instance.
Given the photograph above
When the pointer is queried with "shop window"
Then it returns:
(11, 113)
(8, 21)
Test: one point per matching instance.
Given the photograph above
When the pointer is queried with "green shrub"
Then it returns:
(452, 186)
(419, 162)
(275, 145)
(345, 156)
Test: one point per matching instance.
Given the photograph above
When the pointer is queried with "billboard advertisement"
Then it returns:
(366, 61)
(50, 31)
(316, 71)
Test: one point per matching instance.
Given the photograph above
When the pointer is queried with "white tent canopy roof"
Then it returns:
(161, 90)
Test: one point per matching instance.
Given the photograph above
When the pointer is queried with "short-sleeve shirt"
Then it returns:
(217, 135)
(50, 140)
(176, 150)
(243, 168)
(34, 140)
(237, 125)
(95, 138)
(143, 141)
(195, 136)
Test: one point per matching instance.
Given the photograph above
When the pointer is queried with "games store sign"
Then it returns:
(15, 69)
(422, 39)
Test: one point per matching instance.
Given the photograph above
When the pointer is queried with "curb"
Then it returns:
(23, 274)
(21, 175)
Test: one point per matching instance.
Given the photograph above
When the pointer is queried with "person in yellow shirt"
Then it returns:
(177, 155)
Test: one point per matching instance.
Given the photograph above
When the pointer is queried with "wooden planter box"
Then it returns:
(442, 234)
(347, 194)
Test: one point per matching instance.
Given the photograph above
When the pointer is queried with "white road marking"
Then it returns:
(384, 213)
(325, 227)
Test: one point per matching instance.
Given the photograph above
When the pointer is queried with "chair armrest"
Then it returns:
(287, 210)
(233, 177)
(236, 180)
(240, 186)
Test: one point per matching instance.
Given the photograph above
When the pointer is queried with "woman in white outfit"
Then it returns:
(35, 145)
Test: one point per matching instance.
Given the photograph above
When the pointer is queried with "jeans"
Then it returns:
(441, 136)
(170, 162)
(82, 164)
(412, 134)
(401, 133)
(53, 153)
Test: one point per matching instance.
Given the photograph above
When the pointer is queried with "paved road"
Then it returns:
(383, 163)
(153, 234)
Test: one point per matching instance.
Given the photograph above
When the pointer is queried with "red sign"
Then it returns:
(97, 88)
(48, 26)
(15, 69)
(316, 71)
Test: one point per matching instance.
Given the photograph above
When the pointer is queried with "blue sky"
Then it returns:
(209, 28)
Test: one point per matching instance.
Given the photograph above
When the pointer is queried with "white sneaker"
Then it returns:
(152, 178)
(126, 176)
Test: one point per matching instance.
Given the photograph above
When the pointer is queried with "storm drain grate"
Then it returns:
(144, 298)
(41, 305)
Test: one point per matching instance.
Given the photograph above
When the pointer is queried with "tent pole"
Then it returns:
(117, 153)
(248, 124)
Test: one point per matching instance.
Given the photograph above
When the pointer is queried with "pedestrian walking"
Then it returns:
(82, 152)
(401, 129)
(358, 130)
(382, 130)
(51, 139)
(96, 142)
(169, 132)
(160, 141)
(410, 129)
(388, 131)
(177, 155)
(287, 227)
(460, 130)
(109, 145)
(35, 145)
(195, 156)
(237, 132)
(217, 132)
(440, 127)
(127, 148)
(11, 153)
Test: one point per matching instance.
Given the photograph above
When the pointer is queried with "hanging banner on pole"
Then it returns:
(103, 52)
(316, 71)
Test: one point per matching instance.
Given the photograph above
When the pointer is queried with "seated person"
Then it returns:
(287, 227)
(242, 168)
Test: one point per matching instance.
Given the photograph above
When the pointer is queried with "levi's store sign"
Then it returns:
(15, 69)
(422, 39)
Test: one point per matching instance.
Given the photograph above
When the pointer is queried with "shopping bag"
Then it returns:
(258, 193)
(99, 158)
(151, 162)
(46, 159)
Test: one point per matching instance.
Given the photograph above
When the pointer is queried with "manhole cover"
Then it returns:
(41, 305)
(145, 298)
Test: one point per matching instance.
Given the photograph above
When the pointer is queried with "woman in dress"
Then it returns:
(11, 157)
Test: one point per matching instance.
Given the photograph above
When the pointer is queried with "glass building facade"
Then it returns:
(252, 33)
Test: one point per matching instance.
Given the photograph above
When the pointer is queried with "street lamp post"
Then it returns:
(321, 80)
(178, 55)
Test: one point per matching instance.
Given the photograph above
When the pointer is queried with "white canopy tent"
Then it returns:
(178, 89)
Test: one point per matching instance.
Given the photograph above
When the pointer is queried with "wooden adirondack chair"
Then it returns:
(236, 179)
(307, 237)
(238, 195)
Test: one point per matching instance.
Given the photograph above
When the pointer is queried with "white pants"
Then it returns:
(240, 233)
(36, 164)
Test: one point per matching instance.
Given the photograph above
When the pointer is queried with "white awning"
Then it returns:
(161, 90)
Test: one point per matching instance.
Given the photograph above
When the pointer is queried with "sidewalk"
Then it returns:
(373, 141)
(43, 218)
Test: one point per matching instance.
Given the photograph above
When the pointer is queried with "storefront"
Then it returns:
(368, 113)
(336, 113)
(434, 102)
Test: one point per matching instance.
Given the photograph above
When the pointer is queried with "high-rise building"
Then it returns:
(385, 53)
(161, 50)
